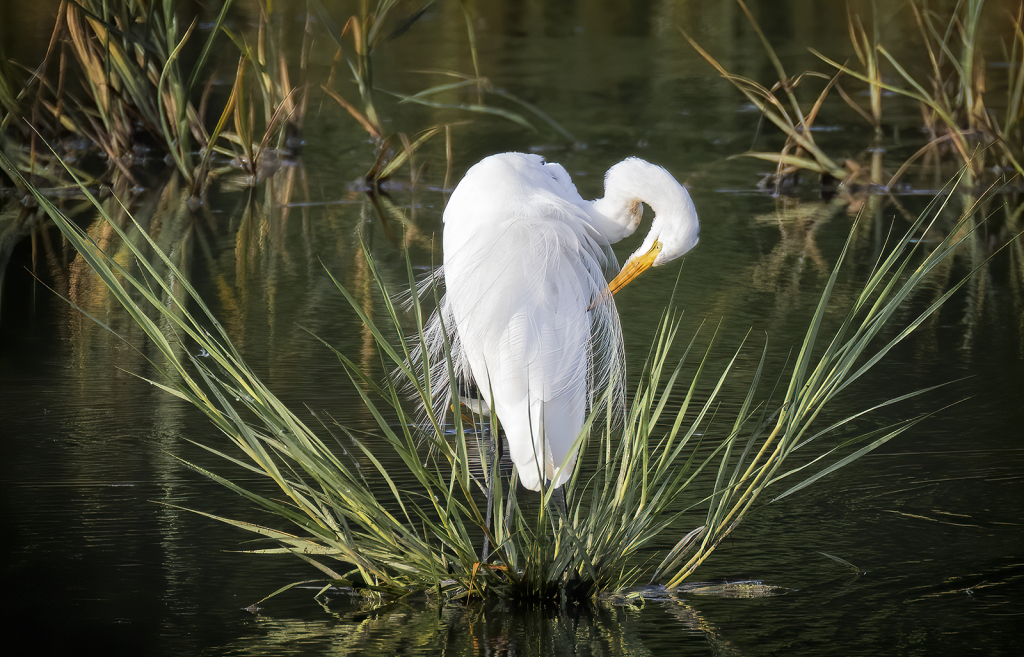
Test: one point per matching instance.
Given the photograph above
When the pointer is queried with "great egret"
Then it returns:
(530, 320)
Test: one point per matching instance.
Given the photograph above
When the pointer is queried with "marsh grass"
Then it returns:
(365, 31)
(115, 76)
(800, 150)
(406, 511)
(952, 99)
(128, 58)
(954, 114)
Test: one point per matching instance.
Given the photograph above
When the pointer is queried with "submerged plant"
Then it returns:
(363, 523)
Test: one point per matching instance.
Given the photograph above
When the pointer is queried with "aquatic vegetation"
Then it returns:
(954, 114)
(140, 103)
(682, 465)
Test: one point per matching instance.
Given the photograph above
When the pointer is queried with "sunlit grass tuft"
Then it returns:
(406, 512)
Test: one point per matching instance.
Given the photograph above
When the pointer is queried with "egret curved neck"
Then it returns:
(628, 185)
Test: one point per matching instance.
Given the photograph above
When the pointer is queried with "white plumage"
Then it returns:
(527, 306)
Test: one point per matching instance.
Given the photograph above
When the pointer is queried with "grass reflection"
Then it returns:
(419, 627)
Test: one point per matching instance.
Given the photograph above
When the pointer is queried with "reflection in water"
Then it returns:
(781, 273)
(996, 288)
(490, 628)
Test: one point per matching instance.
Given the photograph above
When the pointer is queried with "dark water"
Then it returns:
(98, 558)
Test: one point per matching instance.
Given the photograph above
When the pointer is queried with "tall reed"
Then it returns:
(955, 115)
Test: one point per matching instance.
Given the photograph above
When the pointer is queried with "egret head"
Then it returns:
(675, 229)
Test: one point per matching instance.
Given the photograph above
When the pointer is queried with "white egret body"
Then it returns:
(527, 306)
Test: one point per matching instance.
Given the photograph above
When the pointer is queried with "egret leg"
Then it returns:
(494, 462)
(558, 497)
(508, 509)
(556, 511)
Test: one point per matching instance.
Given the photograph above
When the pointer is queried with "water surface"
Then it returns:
(99, 558)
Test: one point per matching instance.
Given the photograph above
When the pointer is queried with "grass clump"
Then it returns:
(121, 86)
(965, 127)
(344, 507)
(136, 81)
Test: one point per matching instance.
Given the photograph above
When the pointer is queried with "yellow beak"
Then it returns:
(634, 268)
